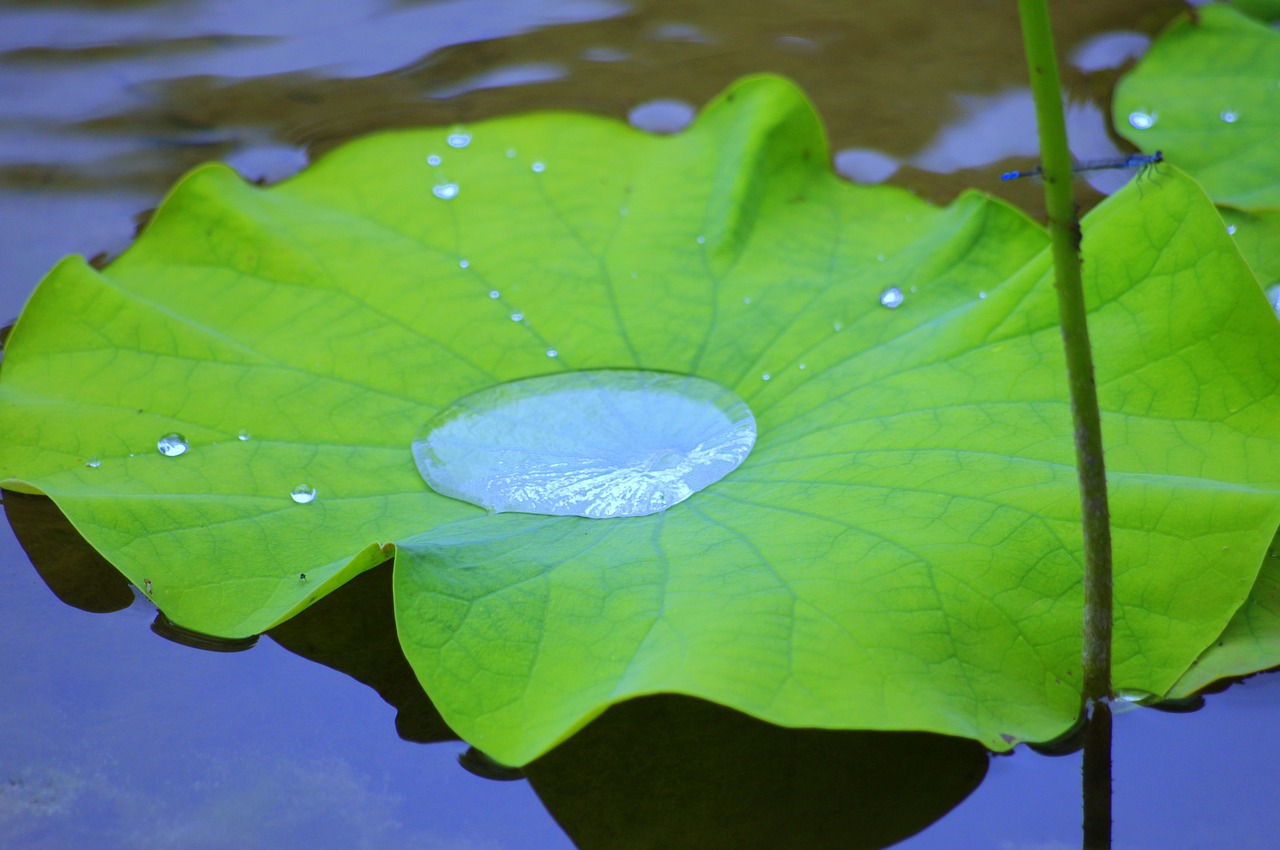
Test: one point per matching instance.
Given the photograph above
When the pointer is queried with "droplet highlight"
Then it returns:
(93, 462)
(539, 167)
(172, 445)
(892, 298)
(495, 294)
(243, 435)
(517, 317)
(551, 352)
(1142, 120)
(600, 444)
(445, 191)
(1229, 116)
(433, 160)
(303, 494)
(459, 139)
(464, 264)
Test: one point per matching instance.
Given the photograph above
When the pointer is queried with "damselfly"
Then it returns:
(1135, 160)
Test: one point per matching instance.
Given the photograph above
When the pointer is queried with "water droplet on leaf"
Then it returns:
(243, 436)
(1142, 120)
(433, 160)
(539, 167)
(517, 317)
(303, 494)
(172, 445)
(445, 191)
(608, 443)
(93, 462)
(459, 139)
(1229, 116)
(891, 298)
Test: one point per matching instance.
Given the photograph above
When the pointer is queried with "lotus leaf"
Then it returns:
(901, 548)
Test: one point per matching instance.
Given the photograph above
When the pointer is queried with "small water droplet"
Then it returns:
(539, 167)
(493, 293)
(243, 435)
(880, 257)
(746, 299)
(1230, 116)
(463, 264)
(433, 160)
(93, 462)
(891, 298)
(635, 274)
(839, 326)
(913, 289)
(172, 445)
(766, 376)
(1273, 295)
(459, 139)
(445, 191)
(511, 153)
(702, 240)
(551, 352)
(982, 295)
(517, 317)
(1231, 230)
(1142, 120)
(802, 367)
(303, 494)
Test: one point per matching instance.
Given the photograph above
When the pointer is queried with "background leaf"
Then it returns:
(1213, 89)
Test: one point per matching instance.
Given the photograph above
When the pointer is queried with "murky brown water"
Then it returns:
(115, 738)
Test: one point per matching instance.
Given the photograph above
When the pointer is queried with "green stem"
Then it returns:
(1064, 231)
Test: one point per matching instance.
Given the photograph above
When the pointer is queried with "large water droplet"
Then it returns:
(1142, 120)
(892, 298)
(445, 191)
(595, 444)
(172, 445)
(303, 494)
(93, 462)
(243, 436)
(459, 139)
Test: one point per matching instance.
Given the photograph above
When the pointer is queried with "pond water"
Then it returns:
(113, 737)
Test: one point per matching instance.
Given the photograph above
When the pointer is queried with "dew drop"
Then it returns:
(891, 298)
(243, 435)
(746, 299)
(517, 317)
(622, 210)
(463, 264)
(172, 445)
(607, 443)
(551, 352)
(493, 293)
(433, 160)
(982, 295)
(511, 153)
(459, 139)
(539, 167)
(801, 367)
(93, 462)
(702, 240)
(839, 326)
(303, 494)
(1230, 116)
(766, 376)
(1142, 120)
(445, 191)
(1273, 296)
(1231, 230)
(880, 257)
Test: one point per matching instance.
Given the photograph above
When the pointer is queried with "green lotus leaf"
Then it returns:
(1207, 94)
(900, 549)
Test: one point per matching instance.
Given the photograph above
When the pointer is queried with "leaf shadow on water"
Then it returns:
(663, 770)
